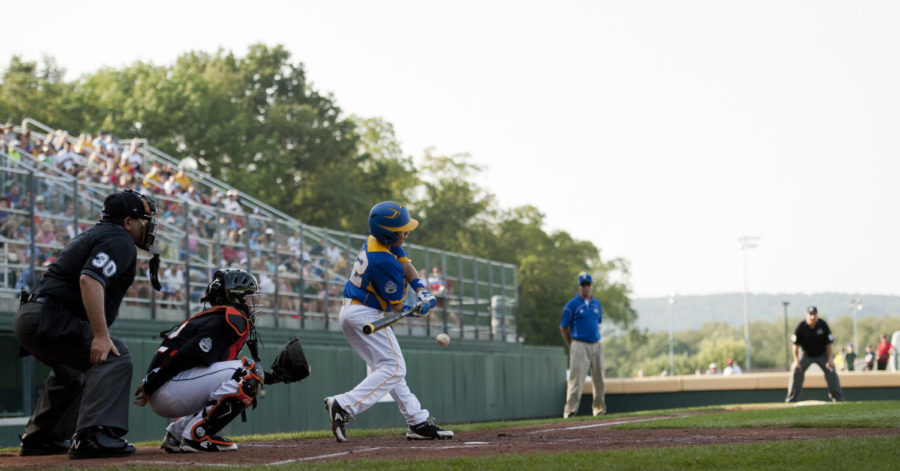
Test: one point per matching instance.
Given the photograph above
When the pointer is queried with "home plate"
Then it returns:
(475, 443)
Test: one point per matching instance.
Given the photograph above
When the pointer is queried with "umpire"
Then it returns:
(64, 323)
(812, 344)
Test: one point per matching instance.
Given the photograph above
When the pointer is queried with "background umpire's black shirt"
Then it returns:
(814, 341)
(105, 252)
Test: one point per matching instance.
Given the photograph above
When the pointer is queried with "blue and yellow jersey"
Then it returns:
(377, 276)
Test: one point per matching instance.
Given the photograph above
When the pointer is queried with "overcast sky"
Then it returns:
(661, 131)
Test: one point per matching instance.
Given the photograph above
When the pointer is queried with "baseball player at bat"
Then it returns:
(197, 375)
(377, 285)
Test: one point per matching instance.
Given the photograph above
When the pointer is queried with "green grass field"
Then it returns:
(865, 454)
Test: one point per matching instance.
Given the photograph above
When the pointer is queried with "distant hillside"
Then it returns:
(691, 312)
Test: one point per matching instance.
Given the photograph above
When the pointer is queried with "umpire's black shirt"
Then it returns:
(104, 252)
(814, 341)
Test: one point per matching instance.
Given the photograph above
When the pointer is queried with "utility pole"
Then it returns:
(747, 243)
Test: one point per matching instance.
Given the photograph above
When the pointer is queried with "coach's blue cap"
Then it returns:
(585, 278)
(812, 310)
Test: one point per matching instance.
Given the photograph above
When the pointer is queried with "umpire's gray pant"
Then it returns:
(831, 378)
(76, 394)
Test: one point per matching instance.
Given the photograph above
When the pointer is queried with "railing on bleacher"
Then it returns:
(301, 268)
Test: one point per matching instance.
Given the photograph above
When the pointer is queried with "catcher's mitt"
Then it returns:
(290, 365)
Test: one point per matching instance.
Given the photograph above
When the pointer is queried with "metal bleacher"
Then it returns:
(301, 268)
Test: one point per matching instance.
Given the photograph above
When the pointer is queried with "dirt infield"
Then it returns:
(547, 438)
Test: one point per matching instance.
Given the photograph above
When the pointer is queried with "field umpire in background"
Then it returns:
(812, 344)
(65, 324)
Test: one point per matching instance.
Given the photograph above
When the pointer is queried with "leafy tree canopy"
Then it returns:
(257, 123)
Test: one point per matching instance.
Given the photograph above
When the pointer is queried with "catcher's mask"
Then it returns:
(130, 203)
(237, 288)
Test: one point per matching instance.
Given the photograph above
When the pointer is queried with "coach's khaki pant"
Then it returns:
(585, 356)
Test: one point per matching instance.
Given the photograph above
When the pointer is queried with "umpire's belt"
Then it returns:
(42, 300)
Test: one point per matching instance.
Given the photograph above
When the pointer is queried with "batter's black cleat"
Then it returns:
(98, 442)
(428, 430)
(34, 445)
(213, 443)
(339, 418)
(171, 443)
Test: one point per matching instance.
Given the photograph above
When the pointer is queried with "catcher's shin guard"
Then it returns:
(220, 413)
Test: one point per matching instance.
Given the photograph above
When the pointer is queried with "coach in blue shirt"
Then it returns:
(580, 328)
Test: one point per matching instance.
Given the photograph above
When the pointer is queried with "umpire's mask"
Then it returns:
(130, 203)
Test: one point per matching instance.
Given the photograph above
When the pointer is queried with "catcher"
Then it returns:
(196, 375)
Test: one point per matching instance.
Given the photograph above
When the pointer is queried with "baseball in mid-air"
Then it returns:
(442, 339)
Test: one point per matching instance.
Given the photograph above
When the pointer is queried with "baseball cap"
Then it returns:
(812, 310)
(585, 278)
(124, 204)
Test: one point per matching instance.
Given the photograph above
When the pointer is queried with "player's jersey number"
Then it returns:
(362, 262)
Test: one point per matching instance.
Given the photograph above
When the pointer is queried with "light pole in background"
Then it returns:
(671, 338)
(787, 342)
(856, 304)
(747, 243)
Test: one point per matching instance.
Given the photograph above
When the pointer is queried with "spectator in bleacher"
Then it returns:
(7, 133)
(111, 143)
(12, 151)
(25, 141)
(46, 153)
(232, 203)
(12, 196)
(60, 138)
(183, 180)
(67, 159)
(133, 156)
(85, 145)
(191, 196)
(173, 282)
(713, 369)
(170, 186)
(99, 142)
(152, 179)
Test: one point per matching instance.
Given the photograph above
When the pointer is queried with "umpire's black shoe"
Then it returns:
(339, 418)
(427, 430)
(98, 442)
(35, 445)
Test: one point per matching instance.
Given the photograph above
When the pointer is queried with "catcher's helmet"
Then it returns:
(389, 217)
(232, 287)
(135, 205)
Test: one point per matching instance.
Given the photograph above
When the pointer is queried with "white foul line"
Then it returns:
(605, 424)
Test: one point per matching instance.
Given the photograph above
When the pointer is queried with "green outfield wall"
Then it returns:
(468, 381)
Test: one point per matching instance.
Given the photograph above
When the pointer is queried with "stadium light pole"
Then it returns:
(747, 243)
(855, 305)
(787, 342)
(671, 338)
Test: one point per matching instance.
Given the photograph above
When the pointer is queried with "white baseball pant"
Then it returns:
(382, 354)
(187, 394)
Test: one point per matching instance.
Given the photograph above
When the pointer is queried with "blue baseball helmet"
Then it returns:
(389, 217)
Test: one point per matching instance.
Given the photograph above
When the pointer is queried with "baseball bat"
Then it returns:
(389, 320)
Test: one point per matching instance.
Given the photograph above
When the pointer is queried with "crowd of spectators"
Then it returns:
(222, 231)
